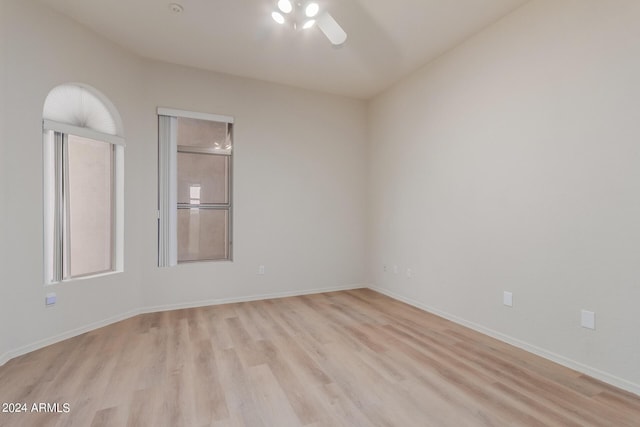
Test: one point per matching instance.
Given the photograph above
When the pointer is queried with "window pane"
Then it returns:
(202, 178)
(90, 221)
(202, 234)
(203, 134)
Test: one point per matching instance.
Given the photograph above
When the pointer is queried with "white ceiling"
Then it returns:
(387, 39)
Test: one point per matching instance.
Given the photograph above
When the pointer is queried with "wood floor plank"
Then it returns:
(269, 398)
(216, 326)
(350, 358)
(234, 378)
(144, 408)
(347, 413)
(284, 371)
(110, 417)
(210, 401)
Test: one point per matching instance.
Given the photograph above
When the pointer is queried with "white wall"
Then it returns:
(513, 163)
(299, 178)
(299, 181)
(43, 50)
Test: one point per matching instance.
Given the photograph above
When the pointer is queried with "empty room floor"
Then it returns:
(350, 358)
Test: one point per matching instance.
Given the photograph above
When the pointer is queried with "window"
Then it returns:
(83, 160)
(195, 160)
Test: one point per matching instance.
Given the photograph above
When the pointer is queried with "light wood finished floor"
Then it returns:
(353, 358)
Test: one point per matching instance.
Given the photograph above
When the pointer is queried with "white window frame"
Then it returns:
(52, 130)
(167, 183)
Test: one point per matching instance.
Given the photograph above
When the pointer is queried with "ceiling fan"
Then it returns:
(306, 14)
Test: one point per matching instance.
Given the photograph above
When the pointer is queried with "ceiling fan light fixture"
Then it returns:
(306, 14)
(277, 16)
(285, 6)
(312, 9)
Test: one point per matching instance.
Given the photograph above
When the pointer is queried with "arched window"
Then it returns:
(83, 184)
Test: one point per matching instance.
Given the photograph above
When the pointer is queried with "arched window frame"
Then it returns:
(79, 110)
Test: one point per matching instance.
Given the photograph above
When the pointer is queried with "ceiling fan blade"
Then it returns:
(331, 29)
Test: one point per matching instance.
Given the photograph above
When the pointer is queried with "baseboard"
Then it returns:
(258, 297)
(66, 335)
(569, 363)
(561, 360)
(4, 358)
(95, 325)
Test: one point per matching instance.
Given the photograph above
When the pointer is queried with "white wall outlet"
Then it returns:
(384, 268)
(409, 272)
(395, 269)
(507, 299)
(50, 299)
(261, 270)
(588, 319)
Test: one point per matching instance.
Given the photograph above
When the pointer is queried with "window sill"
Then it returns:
(87, 277)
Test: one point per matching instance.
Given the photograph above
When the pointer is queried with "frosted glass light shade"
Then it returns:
(285, 6)
(312, 9)
(78, 106)
(277, 16)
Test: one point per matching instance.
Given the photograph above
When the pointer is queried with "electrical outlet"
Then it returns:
(409, 272)
(588, 319)
(395, 269)
(261, 270)
(507, 299)
(384, 268)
